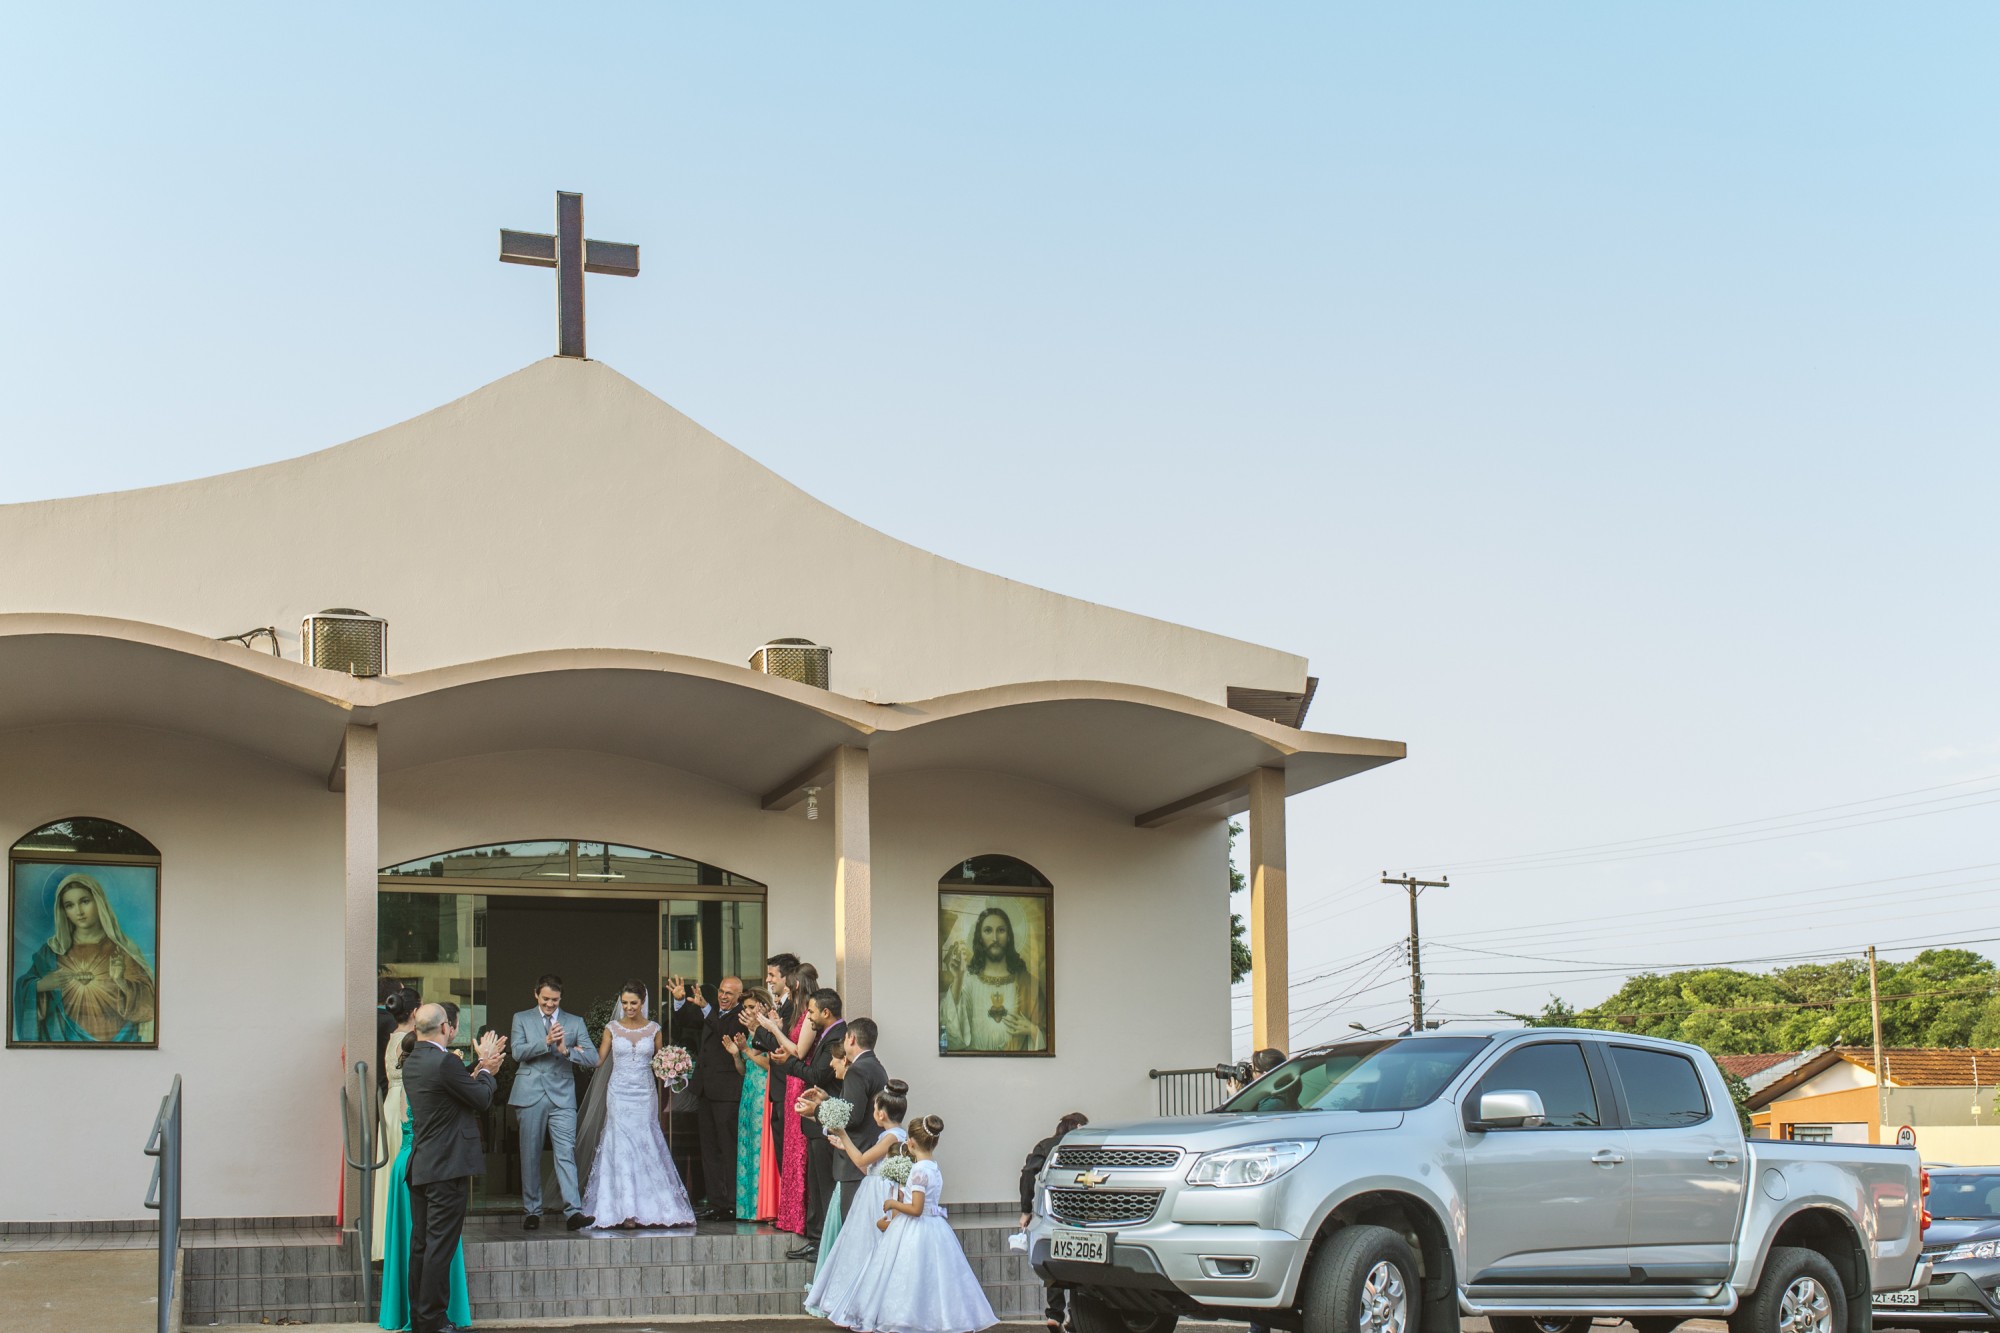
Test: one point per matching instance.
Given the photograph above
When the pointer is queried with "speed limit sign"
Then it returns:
(1906, 1137)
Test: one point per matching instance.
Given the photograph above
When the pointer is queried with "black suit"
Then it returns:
(865, 1078)
(445, 1152)
(718, 1088)
(817, 1073)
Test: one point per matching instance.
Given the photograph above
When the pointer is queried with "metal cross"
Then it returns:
(571, 257)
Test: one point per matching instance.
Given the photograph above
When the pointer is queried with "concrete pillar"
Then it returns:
(1270, 927)
(360, 959)
(853, 904)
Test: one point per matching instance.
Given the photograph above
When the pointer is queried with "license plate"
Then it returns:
(1081, 1247)
(1896, 1297)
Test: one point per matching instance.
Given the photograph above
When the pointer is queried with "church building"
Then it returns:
(551, 679)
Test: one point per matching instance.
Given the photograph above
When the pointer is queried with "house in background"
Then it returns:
(1945, 1097)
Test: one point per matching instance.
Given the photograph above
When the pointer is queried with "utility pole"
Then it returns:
(1414, 887)
(1881, 1074)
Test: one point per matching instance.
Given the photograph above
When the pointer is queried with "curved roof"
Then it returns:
(564, 507)
(1135, 748)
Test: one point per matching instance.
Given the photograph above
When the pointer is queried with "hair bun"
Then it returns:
(897, 1088)
(935, 1124)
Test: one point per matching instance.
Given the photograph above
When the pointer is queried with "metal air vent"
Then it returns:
(346, 640)
(801, 660)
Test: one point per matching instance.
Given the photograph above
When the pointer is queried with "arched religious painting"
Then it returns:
(83, 913)
(996, 959)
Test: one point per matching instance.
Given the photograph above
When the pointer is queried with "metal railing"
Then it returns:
(359, 1135)
(1187, 1091)
(163, 1145)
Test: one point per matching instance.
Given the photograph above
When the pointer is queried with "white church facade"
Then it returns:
(548, 731)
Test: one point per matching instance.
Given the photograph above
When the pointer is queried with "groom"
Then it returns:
(549, 1044)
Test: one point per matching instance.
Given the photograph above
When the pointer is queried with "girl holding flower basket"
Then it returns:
(916, 1280)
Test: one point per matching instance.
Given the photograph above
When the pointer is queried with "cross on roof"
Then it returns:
(571, 257)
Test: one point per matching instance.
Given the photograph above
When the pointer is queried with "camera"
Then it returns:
(1240, 1072)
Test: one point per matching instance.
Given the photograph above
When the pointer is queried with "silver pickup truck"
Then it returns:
(1538, 1177)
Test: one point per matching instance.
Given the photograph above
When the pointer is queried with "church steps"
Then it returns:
(720, 1269)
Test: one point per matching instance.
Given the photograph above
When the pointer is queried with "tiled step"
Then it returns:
(716, 1269)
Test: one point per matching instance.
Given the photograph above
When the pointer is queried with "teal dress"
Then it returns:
(396, 1251)
(756, 1162)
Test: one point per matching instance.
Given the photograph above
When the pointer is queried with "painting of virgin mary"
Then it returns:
(86, 982)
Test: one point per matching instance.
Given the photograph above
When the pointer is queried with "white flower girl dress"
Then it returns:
(917, 1279)
(858, 1239)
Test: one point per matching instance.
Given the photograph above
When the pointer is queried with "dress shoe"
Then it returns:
(532, 1222)
(806, 1252)
(578, 1221)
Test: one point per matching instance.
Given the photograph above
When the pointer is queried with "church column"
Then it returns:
(360, 961)
(853, 905)
(1270, 927)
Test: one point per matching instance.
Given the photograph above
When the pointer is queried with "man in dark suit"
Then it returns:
(717, 1087)
(445, 1153)
(817, 1073)
(862, 1076)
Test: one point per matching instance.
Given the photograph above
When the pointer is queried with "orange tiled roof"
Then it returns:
(1743, 1066)
(1917, 1067)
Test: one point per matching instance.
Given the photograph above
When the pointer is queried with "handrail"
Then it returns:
(163, 1195)
(364, 1132)
(1185, 1091)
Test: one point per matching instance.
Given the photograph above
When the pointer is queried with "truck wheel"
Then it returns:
(1541, 1323)
(1363, 1280)
(1090, 1315)
(1799, 1293)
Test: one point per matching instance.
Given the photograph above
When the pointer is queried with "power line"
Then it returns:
(1468, 862)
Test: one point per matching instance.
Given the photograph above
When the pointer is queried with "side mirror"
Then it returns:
(1510, 1109)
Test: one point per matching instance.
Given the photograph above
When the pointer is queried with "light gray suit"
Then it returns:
(544, 1101)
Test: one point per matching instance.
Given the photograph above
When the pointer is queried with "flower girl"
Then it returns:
(847, 1258)
(917, 1279)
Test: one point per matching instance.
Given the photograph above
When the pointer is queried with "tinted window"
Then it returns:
(1965, 1196)
(1555, 1070)
(1397, 1075)
(1661, 1089)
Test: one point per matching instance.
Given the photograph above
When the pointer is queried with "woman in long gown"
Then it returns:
(394, 1235)
(632, 1180)
(790, 1130)
(756, 1155)
(395, 1106)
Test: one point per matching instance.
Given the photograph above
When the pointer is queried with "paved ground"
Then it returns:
(67, 1291)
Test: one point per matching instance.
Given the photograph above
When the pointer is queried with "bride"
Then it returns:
(629, 1179)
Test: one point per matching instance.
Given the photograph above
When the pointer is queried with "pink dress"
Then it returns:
(792, 1169)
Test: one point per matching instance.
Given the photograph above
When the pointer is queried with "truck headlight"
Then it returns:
(1254, 1164)
(1982, 1249)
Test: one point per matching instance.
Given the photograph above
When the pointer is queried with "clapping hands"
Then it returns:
(489, 1048)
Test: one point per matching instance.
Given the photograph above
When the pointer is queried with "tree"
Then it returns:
(1940, 998)
(1239, 948)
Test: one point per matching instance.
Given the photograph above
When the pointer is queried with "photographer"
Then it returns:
(1242, 1074)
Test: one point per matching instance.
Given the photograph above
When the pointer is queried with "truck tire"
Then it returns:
(1799, 1293)
(1087, 1314)
(1363, 1280)
(1542, 1323)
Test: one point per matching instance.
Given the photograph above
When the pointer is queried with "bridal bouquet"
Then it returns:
(673, 1066)
(834, 1113)
(896, 1169)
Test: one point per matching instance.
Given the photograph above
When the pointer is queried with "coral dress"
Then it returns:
(792, 1171)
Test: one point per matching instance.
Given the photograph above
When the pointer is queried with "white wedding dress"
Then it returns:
(632, 1176)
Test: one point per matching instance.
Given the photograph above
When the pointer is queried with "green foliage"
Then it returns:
(1940, 998)
(1239, 948)
(1739, 1096)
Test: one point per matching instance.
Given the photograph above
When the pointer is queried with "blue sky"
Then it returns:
(1602, 396)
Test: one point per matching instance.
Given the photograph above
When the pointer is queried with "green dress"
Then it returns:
(396, 1250)
(756, 1163)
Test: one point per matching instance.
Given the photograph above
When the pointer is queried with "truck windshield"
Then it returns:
(1392, 1075)
(1965, 1196)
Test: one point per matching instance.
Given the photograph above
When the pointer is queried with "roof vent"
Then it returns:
(801, 660)
(343, 639)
